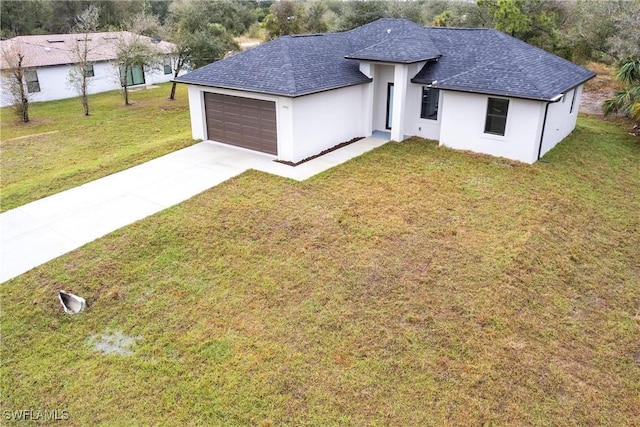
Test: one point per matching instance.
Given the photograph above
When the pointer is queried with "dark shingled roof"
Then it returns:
(488, 61)
(289, 66)
(403, 50)
(469, 60)
(392, 40)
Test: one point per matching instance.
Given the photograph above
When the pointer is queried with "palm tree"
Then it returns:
(626, 101)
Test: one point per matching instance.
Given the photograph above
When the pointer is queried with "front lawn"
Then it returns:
(61, 148)
(414, 285)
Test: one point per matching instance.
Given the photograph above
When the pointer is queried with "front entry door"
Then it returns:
(389, 105)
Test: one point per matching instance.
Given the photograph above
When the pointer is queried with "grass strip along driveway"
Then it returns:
(414, 285)
(60, 148)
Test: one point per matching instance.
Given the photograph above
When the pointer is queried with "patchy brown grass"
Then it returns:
(411, 286)
(605, 81)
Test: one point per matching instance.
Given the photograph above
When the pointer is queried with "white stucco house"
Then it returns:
(468, 88)
(49, 59)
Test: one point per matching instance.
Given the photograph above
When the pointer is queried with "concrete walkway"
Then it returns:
(37, 232)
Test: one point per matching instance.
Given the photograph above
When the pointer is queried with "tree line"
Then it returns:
(579, 30)
(204, 30)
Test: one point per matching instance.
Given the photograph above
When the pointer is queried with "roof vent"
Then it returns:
(47, 49)
(388, 30)
(55, 41)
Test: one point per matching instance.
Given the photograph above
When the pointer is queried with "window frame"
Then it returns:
(491, 119)
(430, 102)
(130, 75)
(90, 72)
(167, 63)
(33, 85)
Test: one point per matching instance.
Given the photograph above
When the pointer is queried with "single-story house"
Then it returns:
(469, 88)
(49, 58)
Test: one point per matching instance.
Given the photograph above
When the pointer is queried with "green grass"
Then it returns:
(414, 285)
(61, 148)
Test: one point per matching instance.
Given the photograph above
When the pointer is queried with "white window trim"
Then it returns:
(496, 136)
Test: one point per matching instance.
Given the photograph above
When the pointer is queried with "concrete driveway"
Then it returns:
(37, 232)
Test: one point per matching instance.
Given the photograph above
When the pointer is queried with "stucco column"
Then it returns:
(196, 110)
(284, 113)
(400, 77)
(368, 69)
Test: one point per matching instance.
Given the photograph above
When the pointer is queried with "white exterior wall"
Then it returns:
(424, 128)
(54, 82)
(154, 76)
(414, 125)
(326, 119)
(561, 119)
(462, 126)
(104, 78)
(408, 106)
(197, 112)
(310, 124)
(368, 94)
(306, 125)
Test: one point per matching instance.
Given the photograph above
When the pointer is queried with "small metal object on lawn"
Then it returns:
(72, 304)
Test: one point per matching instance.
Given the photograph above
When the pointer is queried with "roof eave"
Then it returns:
(583, 81)
(394, 61)
(494, 93)
(505, 94)
(274, 93)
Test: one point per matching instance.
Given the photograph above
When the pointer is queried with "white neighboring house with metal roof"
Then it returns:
(472, 89)
(49, 58)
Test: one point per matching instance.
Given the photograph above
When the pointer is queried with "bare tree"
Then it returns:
(82, 69)
(134, 52)
(15, 80)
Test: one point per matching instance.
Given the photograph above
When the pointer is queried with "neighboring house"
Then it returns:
(469, 88)
(49, 59)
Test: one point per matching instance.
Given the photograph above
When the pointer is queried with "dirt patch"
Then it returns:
(591, 102)
(604, 81)
(138, 89)
(114, 343)
(328, 150)
(32, 136)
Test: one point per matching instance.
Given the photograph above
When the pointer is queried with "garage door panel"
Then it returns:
(216, 122)
(244, 122)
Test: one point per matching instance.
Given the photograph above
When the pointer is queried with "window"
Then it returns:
(135, 75)
(429, 108)
(573, 100)
(33, 85)
(167, 65)
(496, 116)
(89, 72)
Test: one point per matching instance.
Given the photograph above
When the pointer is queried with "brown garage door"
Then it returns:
(244, 122)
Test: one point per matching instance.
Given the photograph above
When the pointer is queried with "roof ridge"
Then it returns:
(431, 27)
(286, 60)
(53, 46)
(63, 35)
(518, 64)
